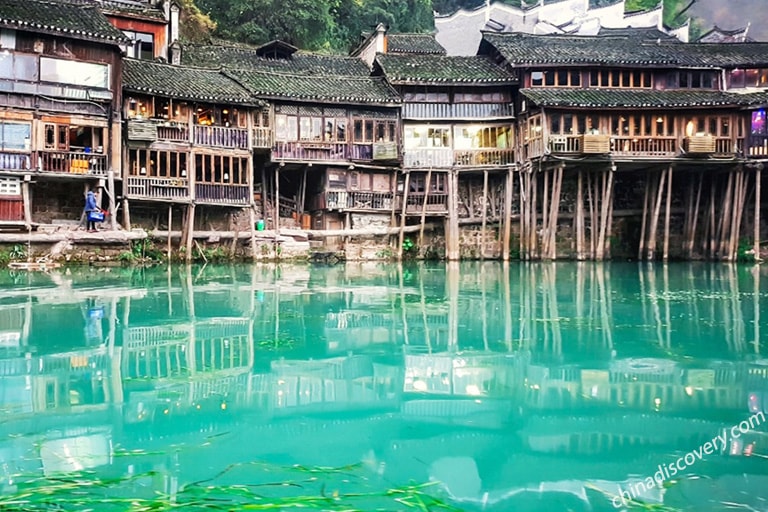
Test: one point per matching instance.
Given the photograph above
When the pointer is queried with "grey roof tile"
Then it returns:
(441, 69)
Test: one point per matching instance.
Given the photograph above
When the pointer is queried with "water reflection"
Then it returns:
(526, 386)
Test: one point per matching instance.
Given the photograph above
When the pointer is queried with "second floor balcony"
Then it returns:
(447, 157)
(178, 190)
(71, 162)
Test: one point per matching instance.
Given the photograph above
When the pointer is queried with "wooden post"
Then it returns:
(690, 242)
(605, 204)
(756, 236)
(170, 229)
(264, 207)
(667, 214)
(507, 218)
(644, 220)
(557, 183)
(401, 236)
(725, 219)
(190, 231)
(252, 215)
(424, 208)
(25, 199)
(545, 217)
(453, 252)
(534, 219)
(302, 192)
(579, 222)
(485, 214)
(655, 219)
(112, 206)
(277, 204)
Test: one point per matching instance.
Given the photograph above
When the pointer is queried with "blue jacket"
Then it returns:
(90, 202)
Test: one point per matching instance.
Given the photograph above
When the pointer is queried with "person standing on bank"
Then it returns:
(91, 206)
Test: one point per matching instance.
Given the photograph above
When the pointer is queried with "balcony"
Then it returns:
(173, 133)
(436, 203)
(565, 144)
(310, 151)
(72, 162)
(220, 136)
(484, 157)
(15, 161)
(645, 147)
(461, 111)
(357, 200)
(218, 193)
(168, 189)
(424, 158)
(262, 137)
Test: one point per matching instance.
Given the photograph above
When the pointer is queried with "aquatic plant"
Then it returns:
(85, 491)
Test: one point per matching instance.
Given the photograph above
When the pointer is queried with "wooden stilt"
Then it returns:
(507, 221)
(453, 253)
(545, 216)
(424, 209)
(644, 220)
(302, 193)
(667, 214)
(235, 227)
(190, 231)
(534, 218)
(126, 215)
(691, 240)
(592, 216)
(112, 205)
(709, 239)
(557, 185)
(170, 228)
(653, 231)
(277, 206)
(26, 202)
(756, 235)
(579, 221)
(740, 200)
(401, 237)
(724, 224)
(485, 214)
(264, 195)
(605, 201)
(252, 218)
(524, 195)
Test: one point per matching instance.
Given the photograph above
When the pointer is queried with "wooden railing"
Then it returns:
(421, 158)
(157, 188)
(262, 137)
(72, 162)
(644, 146)
(565, 144)
(220, 136)
(457, 110)
(758, 145)
(360, 151)
(15, 161)
(533, 148)
(175, 133)
(437, 202)
(221, 194)
(726, 146)
(479, 157)
(358, 200)
(322, 151)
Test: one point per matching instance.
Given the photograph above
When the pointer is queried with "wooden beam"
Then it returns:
(756, 235)
(277, 203)
(126, 215)
(644, 219)
(252, 217)
(579, 221)
(170, 228)
(424, 208)
(111, 193)
(25, 199)
(659, 191)
(605, 204)
(190, 231)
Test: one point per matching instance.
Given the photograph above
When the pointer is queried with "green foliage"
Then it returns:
(319, 25)
(745, 252)
(145, 250)
(210, 254)
(18, 252)
(126, 257)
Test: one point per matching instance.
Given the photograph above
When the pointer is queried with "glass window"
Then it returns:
(72, 72)
(576, 78)
(15, 136)
(549, 78)
(143, 46)
(537, 79)
(737, 78)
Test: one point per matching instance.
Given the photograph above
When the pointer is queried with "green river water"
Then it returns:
(472, 386)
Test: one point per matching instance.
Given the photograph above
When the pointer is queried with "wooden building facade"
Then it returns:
(59, 125)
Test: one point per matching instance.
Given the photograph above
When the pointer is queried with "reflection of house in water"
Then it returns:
(335, 384)
(175, 368)
(648, 384)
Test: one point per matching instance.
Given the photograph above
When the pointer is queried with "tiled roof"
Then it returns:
(629, 98)
(320, 88)
(621, 50)
(414, 43)
(77, 21)
(183, 82)
(131, 8)
(441, 69)
(247, 57)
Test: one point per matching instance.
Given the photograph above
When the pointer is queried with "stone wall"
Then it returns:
(58, 201)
